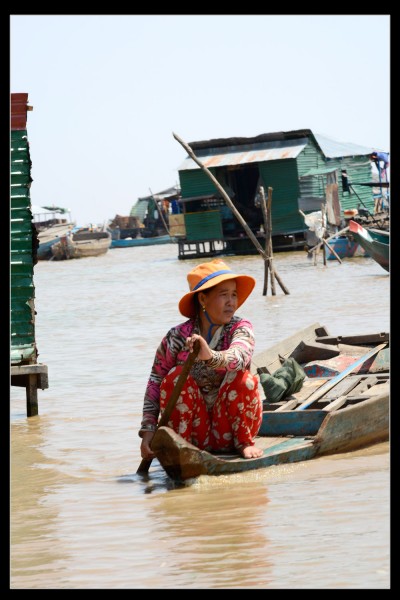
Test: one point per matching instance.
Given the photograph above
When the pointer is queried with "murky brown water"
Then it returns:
(80, 517)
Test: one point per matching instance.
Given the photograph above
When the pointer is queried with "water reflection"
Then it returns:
(216, 525)
(33, 518)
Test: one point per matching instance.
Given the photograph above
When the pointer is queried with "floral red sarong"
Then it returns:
(232, 422)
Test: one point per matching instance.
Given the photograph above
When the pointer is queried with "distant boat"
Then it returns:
(376, 242)
(49, 236)
(81, 244)
(143, 241)
(344, 248)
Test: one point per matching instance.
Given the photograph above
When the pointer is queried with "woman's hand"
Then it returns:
(205, 350)
(145, 449)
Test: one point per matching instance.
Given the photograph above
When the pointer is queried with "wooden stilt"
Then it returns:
(323, 213)
(267, 238)
(332, 250)
(269, 267)
(270, 253)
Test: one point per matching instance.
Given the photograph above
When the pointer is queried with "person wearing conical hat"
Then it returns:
(219, 407)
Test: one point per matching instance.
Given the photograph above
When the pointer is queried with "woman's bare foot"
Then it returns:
(251, 452)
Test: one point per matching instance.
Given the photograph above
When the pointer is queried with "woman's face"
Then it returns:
(220, 302)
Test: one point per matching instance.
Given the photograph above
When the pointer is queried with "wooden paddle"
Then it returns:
(335, 380)
(146, 462)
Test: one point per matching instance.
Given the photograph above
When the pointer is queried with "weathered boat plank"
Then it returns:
(270, 358)
(354, 340)
(306, 351)
(355, 426)
(291, 422)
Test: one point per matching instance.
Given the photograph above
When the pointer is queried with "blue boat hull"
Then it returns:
(149, 241)
(344, 248)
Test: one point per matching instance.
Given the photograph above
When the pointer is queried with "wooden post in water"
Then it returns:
(269, 267)
(265, 220)
(233, 208)
(318, 246)
(272, 271)
(324, 242)
(323, 213)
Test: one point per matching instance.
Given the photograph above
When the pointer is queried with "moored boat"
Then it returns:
(48, 237)
(344, 247)
(142, 241)
(342, 405)
(376, 242)
(81, 244)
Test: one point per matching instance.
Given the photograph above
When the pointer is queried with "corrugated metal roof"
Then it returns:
(334, 149)
(277, 136)
(265, 147)
(319, 171)
(175, 190)
(244, 154)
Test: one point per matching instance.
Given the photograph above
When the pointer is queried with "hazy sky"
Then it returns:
(108, 91)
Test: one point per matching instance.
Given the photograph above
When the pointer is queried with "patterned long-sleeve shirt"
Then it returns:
(232, 350)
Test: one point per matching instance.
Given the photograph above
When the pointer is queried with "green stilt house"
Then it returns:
(304, 170)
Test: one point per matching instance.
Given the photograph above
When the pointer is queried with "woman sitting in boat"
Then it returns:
(219, 408)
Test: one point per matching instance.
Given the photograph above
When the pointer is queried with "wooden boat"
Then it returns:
(81, 244)
(342, 405)
(142, 241)
(344, 248)
(49, 236)
(376, 242)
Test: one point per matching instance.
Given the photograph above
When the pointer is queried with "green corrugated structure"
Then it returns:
(25, 370)
(298, 165)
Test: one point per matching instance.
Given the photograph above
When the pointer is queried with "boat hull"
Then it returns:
(183, 461)
(81, 245)
(48, 237)
(344, 248)
(149, 241)
(341, 431)
(375, 243)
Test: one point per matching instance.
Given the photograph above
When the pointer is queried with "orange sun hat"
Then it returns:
(206, 276)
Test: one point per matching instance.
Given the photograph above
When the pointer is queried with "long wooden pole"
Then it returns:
(224, 195)
(332, 250)
(229, 202)
(266, 233)
(323, 232)
(337, 234)
(325, 241)
(328, 385)
(273, 272)
(145, 464)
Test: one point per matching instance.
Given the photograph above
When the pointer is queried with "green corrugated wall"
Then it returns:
(203, 225)
(359, 171)
(196, 183)
(23, 345)
(282, 176)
